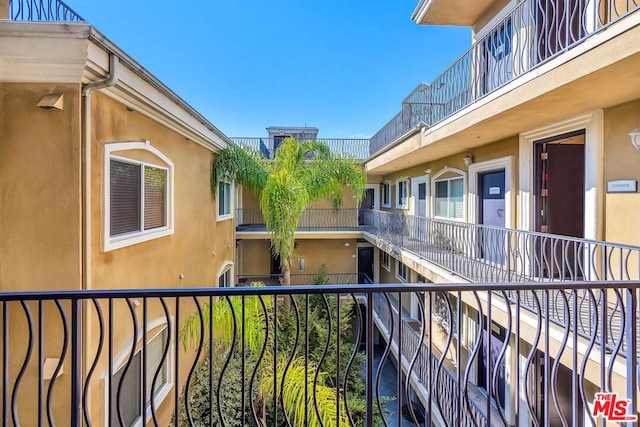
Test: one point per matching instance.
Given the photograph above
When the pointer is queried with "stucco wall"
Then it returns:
(507, 147)
(191, 257)
(256, 258)
(621, 161)
(39, 189)
(199, 244)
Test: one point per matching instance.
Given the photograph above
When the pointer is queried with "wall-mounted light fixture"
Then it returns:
(468, 159)
(52, 101)
(347, 244)
(635, 137)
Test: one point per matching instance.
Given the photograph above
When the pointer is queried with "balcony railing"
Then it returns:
(355, 148)
(42, 10)
(486, 254)
(96, 357)
(311, 219)
(304, 279)
(533, 33)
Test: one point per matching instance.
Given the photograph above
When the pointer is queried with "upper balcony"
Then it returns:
(452, 12)
(539, 53)
(350, 147)
(39, 10)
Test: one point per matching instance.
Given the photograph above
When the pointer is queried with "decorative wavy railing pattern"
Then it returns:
(42, 10)
(484, 254)
(68, 358)
(533, 33)
(349, 147)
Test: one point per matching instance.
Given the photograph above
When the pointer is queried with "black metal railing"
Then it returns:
(344, 218)
(357, 148)
(533, 33)
(304, 279)
(42, 10)
(255, 355)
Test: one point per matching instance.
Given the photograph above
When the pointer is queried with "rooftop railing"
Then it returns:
(355, 148)
(311, 219)
(42, 10)
(118, 357)
(533, 33)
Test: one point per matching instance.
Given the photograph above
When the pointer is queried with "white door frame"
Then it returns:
(376, 195)
(414, 195)
(473, 200)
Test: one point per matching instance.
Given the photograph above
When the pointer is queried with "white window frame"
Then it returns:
(402, 204)
(110, 243)
(386, 184)
(384, 256)
(406, 271)
(226, 267)
(461, 174)
(225, 217)
(121, 359)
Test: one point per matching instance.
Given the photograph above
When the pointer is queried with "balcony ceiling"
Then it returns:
(594, 77)
(451, 12)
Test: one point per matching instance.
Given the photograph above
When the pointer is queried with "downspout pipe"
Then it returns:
(87, 90)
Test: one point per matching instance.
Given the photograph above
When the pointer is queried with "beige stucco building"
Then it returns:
(105, 184)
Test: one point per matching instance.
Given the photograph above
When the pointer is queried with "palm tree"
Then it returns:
(300, 174)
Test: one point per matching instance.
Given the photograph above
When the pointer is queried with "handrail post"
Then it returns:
(370, 359)
(632, 349)
(76, 360)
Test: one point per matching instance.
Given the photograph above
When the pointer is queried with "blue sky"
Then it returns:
(343, 66)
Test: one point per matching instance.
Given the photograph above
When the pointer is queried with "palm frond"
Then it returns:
(298, 406)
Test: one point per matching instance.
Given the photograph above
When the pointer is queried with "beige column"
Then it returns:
(4, 9)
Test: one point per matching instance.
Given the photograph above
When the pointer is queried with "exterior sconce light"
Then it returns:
(468, 159)
(635, 137)
(347, 244)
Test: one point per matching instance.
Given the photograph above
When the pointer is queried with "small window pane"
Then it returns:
(130, 397)
(224, 198)
(456, 207)
(124, 197)
(441, 203)
(155, 190)
(155, 349)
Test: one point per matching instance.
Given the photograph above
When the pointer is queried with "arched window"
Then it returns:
(448, 187)
(138, 195)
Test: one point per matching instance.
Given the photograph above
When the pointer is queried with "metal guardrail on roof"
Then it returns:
(533, 33)
(357, 148)
(42, 10)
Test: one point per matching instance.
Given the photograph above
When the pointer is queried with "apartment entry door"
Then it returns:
(491, 211)
(365, 263)
(367, 204)
(559, 201)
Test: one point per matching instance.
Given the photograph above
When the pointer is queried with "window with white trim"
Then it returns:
(449, 198)
(402, 194)
(384, 260)
(138, 196)
(402, 272)
(385, 194)
(226, 277)
(225, 200)
(128, 405)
